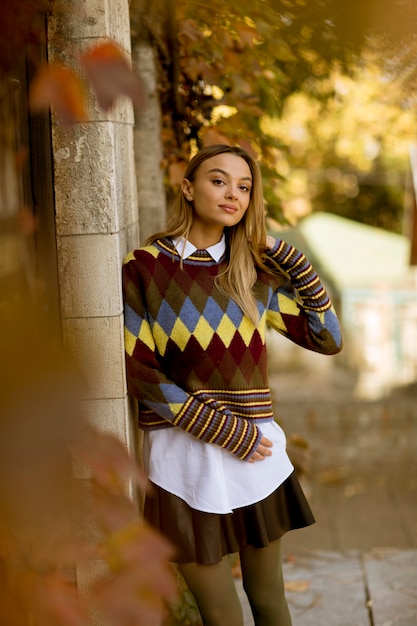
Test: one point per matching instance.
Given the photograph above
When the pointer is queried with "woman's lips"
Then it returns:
(229, 208)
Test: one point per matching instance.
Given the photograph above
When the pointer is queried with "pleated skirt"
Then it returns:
(206, 538)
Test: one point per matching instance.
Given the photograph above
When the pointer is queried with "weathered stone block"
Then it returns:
(133, 236)
(93, 192)
(124, 165)
(90, 275)
(111, 416)
(90, 19)
(97, 345)
(129, 238)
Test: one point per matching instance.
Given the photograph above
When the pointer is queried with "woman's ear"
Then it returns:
(187, 189)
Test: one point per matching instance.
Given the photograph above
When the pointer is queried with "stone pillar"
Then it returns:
(149, 155)
(96, 219)
(96, 213)
(150, 184)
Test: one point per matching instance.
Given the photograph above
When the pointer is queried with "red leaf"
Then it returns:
(176, 172)
(247, 35)
(136, 595)
(194, 67)
(141, 580)
(112, 511)
(246, 145)
(136, 543)
(189, 29)
(212, 136)
(58, 87)
(125, 601)
(56, 601)
(111, 75)
(108, 459)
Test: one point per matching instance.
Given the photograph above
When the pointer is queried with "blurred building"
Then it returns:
(368, 274)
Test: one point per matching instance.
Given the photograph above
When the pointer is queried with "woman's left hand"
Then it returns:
(263, 450)
(270, 242)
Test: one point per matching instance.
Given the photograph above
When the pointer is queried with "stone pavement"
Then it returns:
(353, 588)
(357, 566)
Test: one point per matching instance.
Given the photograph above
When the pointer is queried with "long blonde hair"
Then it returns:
(246, 241)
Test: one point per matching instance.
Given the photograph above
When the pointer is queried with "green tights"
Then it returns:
(215, 593)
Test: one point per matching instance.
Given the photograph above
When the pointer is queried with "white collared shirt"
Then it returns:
(185, 248)
(206, 476)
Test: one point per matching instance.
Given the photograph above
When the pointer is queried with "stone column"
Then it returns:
(96, 213)
(146, 15)
(149, 175)
(96, 219)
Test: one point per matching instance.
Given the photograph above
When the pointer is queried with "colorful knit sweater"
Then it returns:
(194, 360)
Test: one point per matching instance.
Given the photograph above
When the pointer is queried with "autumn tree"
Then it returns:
(223, 66)
(348, 154)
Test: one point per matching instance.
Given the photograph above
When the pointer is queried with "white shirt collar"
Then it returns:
(185, 248)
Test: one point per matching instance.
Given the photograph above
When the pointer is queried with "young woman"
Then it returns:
(198, 298)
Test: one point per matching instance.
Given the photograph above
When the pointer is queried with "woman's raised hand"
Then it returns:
(263, 450)
(270, 242)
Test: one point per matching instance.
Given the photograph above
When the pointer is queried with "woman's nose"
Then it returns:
(231, 192)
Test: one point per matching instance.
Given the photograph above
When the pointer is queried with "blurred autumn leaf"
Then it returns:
(111, 76)
(58, 87)
(54, 600)
(108, 460)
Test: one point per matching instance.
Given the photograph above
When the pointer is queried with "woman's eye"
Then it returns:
(218, 181)
(244, 188)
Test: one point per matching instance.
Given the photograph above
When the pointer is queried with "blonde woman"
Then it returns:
(198, 298)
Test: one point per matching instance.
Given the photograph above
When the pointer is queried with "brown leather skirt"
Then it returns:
(207, 537)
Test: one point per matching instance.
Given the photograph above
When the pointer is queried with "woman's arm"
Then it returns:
(302, 310)
(149, 385)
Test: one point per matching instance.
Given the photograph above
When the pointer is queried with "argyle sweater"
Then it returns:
(194, 360)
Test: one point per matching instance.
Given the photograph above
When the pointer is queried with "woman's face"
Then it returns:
(220, 191)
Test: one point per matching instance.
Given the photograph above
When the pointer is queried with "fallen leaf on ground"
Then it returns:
(298, 586)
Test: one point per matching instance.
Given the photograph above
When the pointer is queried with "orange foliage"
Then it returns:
(44, 510)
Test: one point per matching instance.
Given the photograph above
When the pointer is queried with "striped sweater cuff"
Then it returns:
(239, 436)
(302, 274)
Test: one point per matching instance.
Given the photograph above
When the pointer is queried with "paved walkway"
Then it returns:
(357, 566)
(353, 588)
